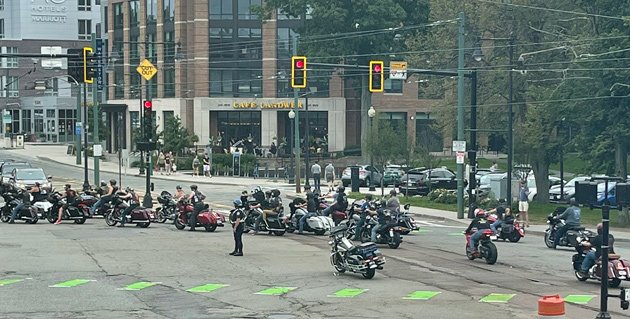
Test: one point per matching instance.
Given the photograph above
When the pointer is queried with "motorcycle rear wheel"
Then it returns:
(580, 277)
(491, 254)
(5, 218)
(338, 264)
(369, 274)
(469, 254)
(548, 240)
(278, 232)
(144, 225)
(211, 228)
(395, 242)
(514, 237)
(80, 221)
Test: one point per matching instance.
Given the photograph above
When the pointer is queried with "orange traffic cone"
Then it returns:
(551, 307)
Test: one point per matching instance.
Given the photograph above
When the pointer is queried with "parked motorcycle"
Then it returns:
(139, 216)
(390, 234)
(486, 248)
(511, 231)
(12, 198)
(406, 221)
(618, 269)
(364, 259)
(209, 219)
(75, 213)
(315, 224)
(572, 237)
(168, 210)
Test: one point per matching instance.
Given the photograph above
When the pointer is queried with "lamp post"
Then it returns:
(371, 114)
(292, 159)
(86, 182)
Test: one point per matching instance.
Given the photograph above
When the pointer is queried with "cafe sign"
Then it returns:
(266, 105)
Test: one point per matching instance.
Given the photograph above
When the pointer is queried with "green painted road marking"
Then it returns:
(497, 298)
(71, 283)
(348, 293)
(207, 288)
(422, 295)
(275, 291)
(6, 282)
(140, 285)
(579, 299)
(456, 234)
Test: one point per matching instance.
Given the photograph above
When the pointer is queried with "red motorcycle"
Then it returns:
(139, 216)
(511, 231)
(337, 215)
(618, 269)
(207, 218)
(487, 250)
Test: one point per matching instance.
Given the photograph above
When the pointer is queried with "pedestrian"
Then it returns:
(168, 161)
(329, 173)
(206, 165)
(161, 162)
(236, 218)
(317, 171)
(523, 205)
(195, 165)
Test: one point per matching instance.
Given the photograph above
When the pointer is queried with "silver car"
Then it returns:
(27, 177)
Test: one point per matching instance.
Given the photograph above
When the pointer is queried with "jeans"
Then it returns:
(99, 203)
(127, 211)
(15, 211)
(589, 261)
(303, 220)
(317, 181)
(375, 230)
(193, 217)
(327, 211)
(494, 225)
(238, 239)
(560, 233)
(474, 238)
(358, 230)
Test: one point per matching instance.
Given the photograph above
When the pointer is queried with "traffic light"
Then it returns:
(148, 120)
(298, 72)
(376, 76)
(75, 64)
(89, 65)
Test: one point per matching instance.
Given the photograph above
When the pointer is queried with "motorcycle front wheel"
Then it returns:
(394, 243)
(580, 277)
(338, 264)
(548, 239)
(110, 219)
(211, 228)
(614, 283)
(162, 215)
(491, 254)
(369, 274)
(51, 217)
(178, 224)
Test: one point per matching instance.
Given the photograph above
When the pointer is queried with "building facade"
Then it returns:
(224, 71)
(36, 93)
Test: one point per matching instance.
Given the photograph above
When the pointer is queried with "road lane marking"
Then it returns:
(6, 282)
(456, 234)
(71, 283)
(275, 291)
(207, 288)
(348, 293)
(497, 298)
(421, 295)
(140, 285)
(579, 299)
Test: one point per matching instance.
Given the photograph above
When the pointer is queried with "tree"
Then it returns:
(176, 137)
(385, 144)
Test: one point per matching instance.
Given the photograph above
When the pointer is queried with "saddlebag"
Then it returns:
(366, 250)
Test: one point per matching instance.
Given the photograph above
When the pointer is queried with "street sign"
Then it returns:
(460, 158)
(99, 64)
(398, 70)
(51, 63)
(97, 150)
(459, 146)
(146, 69)
(77, 129)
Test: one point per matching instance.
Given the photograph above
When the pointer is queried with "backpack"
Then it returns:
(200, 195)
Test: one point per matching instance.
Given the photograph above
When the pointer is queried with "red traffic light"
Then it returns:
(299, 64)
(148, 104)
(377, 68)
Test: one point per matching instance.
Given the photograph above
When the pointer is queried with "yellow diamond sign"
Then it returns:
(146, 69)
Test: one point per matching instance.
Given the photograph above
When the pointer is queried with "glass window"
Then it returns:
(118, 16)
(151, 6)
(134, 13)
(169, 82)
(397, 120)
(221, 9)
(393, 86)
(221, 82)
(135, 118)
(10, 62)
(1, 5)
(26, 120)
(244, 9)
(12, 83)
(166, 115)
(427, 134)
(169, 10)
(238, 125)
(85, 29)
(85, 5)
(1, 28)
(249, 81)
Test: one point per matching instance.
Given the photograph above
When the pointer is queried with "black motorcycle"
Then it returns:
(364, 259)
(406, 221)
(168, 210)
(275, 223)
(12, 198)
(390, 234)
(572, 238)
(73, 212)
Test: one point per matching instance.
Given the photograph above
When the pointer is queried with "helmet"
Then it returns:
(112, 181)
(256, 189)
(67, 186)
(275, 193)
(38, 183)
(193, 187)
(178, 187)
(103, 183)
(480, 212)
(237, 202)
(392, 192)
(340, 189)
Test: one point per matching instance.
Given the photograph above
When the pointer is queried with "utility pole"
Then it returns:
(296, 149)
(460, 113)
(86, 182)
(95, 108)
(77, 121)
(472, 151)
(510, 147)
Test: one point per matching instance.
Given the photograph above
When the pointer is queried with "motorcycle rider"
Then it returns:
(111, 190)
(382, 222)
(236, 218)
(34, 190)
(393, 203)
(196, 198)
(365, 210)
(571, 217)
(71, 196)
(499, 211)
(592, 256)
(179, 193)
(340, 203)
(132, 203)
(275, 204)
(259, 203)
(480, 223)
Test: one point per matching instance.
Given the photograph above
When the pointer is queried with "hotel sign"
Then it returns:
(266, 105)
(49, 11)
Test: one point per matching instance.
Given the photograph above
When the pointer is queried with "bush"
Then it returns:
(442, 196)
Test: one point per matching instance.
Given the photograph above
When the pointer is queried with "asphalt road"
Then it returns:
(162, 263)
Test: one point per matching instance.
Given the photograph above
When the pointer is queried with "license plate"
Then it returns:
(493, 237)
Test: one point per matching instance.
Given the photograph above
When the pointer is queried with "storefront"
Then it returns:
(46, 119)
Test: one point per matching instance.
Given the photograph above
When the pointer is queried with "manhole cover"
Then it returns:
(280, 316)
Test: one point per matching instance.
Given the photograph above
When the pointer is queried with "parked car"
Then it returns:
(7, 168)
(391, 176)
(420, 181)
(569, 189)
(612, 196)
(365, 173)
(531, 184)
(26, 177)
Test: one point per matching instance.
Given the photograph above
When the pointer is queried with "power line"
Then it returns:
(551, 10)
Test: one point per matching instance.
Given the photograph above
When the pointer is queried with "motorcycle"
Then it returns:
(168, 210)
(364, 259)
(87, 200)
(511, 231)
(75, 213)
(140, 216)
(41, 204)
(390, 234)
(572, 235)
(209, 219)
(316, 224)
(274, 223)
(618, 269)
(486, 250)
(28, 213)
(406, 221)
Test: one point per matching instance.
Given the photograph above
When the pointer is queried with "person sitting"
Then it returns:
(571, 217)
(274, 204)
(26, 198)
(499, 211)
(366, 210)
(393, 203)
(591, 257)
(340, 203)
(132, 203)
(382, 221)
(71, 196)
(179, 193)
(111, 189)
(479, 223)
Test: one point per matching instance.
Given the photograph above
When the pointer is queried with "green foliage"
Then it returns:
(176, 137)
(385, 144)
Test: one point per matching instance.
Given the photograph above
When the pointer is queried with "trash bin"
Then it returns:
(19, 141)
(354, 178)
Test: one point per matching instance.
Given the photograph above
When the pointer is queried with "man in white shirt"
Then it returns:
(316, 170)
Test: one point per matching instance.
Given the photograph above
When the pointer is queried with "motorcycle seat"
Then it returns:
(577, 228)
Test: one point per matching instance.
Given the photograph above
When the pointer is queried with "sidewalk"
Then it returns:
(57, 154)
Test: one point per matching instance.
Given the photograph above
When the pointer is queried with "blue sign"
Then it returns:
(77, 129)
(99, 68)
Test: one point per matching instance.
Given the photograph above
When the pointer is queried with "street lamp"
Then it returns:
(371, 114)
(291, 117)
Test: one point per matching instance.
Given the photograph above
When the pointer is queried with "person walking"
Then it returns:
(195, 166)
(523, 205)
(168, 161)
(206, 165)
(316, 170)
(236, 218)
(329, 173)
(161, 162)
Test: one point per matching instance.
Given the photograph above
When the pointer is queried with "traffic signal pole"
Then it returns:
(460, 113)
(95, 116)
(296, 149)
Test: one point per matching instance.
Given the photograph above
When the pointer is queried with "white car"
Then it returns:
(531, 184)
(569, 189)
